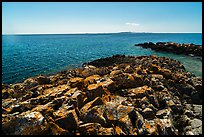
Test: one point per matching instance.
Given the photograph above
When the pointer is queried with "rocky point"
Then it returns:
(118, 95)
(172, 47)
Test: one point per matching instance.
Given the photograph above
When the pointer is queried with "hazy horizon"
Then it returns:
(101, 17)
(94, 33)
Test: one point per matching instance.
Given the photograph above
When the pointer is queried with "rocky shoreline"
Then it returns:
(118, 95)
(172, 47)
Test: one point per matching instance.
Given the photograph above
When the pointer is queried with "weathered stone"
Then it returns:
(5, 94)
(43, 80)
(197, 111)
(195, 123)
(165, 127)
(138, 79)
(79, 96)
(56, 91)
(115, 72)
(27, 123)
(115, 111)
(125, 124)
(157, 76)
(95, 90)
(70, 92)
(150, 127)
(29, 83)
(95, 102)
(162, 113)
(91, 80)
(124, 80)
(143, 102)
(145, 95)
(153, 100)
(69, 121)
(148, 113)
(166, 73)
(106, 131)
(155, 69)
(109, 85)
(128, 69)
(56, 130)
(139, 92)
(119, 131)
(95, 115)
(76, 82)
(89, 129)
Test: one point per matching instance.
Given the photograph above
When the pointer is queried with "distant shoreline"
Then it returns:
(103, 33)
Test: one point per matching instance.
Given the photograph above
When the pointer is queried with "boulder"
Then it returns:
(148, 113)
(87, 106)
(197, 111)
(76, 82)
(126, 125)
(68, 121)
(89, 129)
(119, 131)
(79, 96)
(109, 85)
(166, 127)
(43, 80)
(139, 92)
(27, 123)
(56, 130)
(91, 80)
(95, 115)
(95, 90)
(115, 72)
(106, 131)
(163, 113)
(115, 111)
(150, 127)
(196, 125)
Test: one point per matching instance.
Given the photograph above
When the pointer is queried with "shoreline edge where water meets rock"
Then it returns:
(118, 95)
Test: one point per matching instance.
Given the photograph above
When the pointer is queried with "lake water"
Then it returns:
(24, 56)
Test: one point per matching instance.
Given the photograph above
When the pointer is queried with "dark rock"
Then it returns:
(144, 95)
(43, 80)
(148, 113)
(89, 129)
(69, 121)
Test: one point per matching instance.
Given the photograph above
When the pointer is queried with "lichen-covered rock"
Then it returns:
(106, 131)
(95, 90)
(68, 121)
(187, 49)
(91, 80)
(148, 113)
(89, 129)
(76, 82)
(27, 123)
(42, 80)
(139, 92)
(95, 115)
(87, 106)
(119, 95)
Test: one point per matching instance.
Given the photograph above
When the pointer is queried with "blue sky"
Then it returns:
(96, 17)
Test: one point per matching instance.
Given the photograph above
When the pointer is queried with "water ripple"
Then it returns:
(27, 56)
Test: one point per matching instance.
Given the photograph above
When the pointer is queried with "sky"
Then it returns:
(100, 17)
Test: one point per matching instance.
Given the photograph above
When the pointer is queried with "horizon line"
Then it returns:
(90, 33)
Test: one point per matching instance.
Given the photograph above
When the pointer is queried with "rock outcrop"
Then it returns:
(187, 49)
(119, 95)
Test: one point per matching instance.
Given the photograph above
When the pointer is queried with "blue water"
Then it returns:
(24, 56)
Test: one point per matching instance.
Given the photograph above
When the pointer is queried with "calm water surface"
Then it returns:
(24, 56)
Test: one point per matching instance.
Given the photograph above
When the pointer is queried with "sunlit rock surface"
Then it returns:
(118, 95)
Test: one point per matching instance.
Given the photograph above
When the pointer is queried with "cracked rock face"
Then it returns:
(118, 95)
